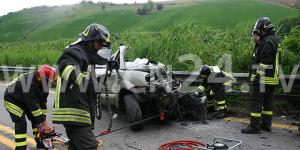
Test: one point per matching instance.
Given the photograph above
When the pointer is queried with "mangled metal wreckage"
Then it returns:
(143, 88)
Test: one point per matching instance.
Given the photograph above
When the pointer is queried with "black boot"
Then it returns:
(251, 130)
(266, 123)
(266, 128)
(221, 114)
(254, 127)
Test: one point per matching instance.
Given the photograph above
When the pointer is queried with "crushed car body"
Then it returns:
(142, 88)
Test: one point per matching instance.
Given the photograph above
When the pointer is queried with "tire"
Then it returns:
(133, 111)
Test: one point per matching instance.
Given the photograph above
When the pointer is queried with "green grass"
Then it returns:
(208, 44)
(28, 54)
(166, 46)
(43, 23)
(207, 29)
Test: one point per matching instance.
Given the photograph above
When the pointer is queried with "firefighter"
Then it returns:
(74, 105)
(27, 95)
(215, 83)
(264, 76)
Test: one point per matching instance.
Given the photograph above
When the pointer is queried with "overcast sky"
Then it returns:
(7, 6)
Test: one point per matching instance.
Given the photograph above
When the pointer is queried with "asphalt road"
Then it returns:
(155, 134)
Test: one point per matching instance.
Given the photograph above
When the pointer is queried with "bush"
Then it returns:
(141, 11)
(285, 26)
(147, 8)
(292, 41)
(291, 45)
(159, 7)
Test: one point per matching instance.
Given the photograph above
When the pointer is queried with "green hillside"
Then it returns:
(50, 23)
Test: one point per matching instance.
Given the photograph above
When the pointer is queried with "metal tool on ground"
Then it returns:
(105, 132)
(218, 144)
(48, 139)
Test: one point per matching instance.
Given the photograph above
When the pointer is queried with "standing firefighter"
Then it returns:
(75, 99)
(27, 95)
(264, 76)
(215, 83)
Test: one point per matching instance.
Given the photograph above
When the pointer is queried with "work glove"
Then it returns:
(203, 99)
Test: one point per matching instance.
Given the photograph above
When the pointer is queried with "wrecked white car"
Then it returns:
(140, 88)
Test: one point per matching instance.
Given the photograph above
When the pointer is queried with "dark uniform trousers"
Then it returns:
(17, 114)
(262, 105)
(216, 97)
(83, 138)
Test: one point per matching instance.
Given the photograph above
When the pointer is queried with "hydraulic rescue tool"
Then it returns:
(48, 139)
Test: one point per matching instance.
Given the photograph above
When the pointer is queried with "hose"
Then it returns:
(182, 145)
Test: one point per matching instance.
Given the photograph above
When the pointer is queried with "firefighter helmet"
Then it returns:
(96, 32)
(48, 72)
(263, 24)
(205, 70)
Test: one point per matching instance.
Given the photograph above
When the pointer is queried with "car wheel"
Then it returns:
(133, 111)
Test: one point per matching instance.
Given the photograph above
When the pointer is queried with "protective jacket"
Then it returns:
(75, 92)
(214, 87)
(26, 93)
(265, 62)
(217, 77)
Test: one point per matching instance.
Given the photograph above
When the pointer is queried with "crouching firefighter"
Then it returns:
(264, 76)
(76, 94)
(215, 83)
(27, 95)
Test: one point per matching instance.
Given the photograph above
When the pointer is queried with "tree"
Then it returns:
(150, 5)
(159, 7)
(86, 2)
(103, 6)
(147, 8)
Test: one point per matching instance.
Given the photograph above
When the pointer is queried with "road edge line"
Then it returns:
(8, 130)
(274, 124)
(7, 142)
